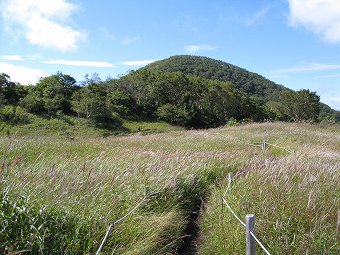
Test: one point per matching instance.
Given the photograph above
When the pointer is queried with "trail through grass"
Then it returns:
(59, 195)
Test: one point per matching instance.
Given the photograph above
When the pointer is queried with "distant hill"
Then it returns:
(187, 91)
(250, 83)
(254, 85)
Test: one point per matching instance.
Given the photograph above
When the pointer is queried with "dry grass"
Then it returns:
(294, 197)
(97, 180)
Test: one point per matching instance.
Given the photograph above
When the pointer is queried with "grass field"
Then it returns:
(72, 127)
(61, 192)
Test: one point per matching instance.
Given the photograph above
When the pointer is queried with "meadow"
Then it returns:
(60, 192)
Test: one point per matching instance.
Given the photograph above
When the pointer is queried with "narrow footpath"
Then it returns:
(189, 246)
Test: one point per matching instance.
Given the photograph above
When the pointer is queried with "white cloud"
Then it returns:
(196, 48)
(12, 57)
(42, 22)
(138, 62)
(305, 68)
(22, 74)
(78, 63)
(319, 16)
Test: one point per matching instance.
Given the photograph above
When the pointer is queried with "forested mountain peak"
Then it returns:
(251, 83)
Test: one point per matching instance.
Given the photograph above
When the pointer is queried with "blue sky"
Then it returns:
(295, 43)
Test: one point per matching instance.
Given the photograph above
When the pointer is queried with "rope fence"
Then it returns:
(230, 177)
(250, 250)
(256, 144)
(116, 222)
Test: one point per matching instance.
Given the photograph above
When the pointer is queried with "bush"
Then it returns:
(172, 114)
(232, 122)
(14, 115)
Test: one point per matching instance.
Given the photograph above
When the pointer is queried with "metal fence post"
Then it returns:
(250, 241)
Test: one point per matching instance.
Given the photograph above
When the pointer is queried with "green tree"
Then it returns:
(33, 101)
(301, 105)
(5, 83)
(90, 103)
(119, 101)
(52, 93)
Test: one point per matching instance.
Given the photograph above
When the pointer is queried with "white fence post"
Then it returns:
(230, 176)
(263, 147)
(250, 241)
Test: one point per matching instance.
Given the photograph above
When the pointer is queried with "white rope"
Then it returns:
(229, 183)
(134, 209)
(255, 144)
(104, 239)
(258, 241)
(291, 152)
(237, 139)
(225, 202)
(116, 222)
(233, 213)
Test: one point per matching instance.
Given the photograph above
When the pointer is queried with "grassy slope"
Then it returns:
(84, 183)
(71, 127)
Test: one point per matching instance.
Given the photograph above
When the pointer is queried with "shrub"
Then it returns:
(14, 115)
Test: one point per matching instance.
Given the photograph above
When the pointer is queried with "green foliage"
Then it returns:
(119, 101)
(232, 122)
(33, 101)
(327, 113)
(14, 115)
(5, 83)
(245, 81)
(10, 92)
(187, 100)
(172, 114)
(51, 94)
(301, 105)
(194, 92)
(71, 127)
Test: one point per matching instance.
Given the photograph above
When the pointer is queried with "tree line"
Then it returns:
(186, 100)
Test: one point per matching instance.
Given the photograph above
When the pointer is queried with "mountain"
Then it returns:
(190, 91)
(254, 85)
(250, 83)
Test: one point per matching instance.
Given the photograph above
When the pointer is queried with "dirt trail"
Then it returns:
(189, 246)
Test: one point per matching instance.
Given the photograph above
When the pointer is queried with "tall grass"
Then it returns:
(91, 182)
(59, 195)
(295, 198)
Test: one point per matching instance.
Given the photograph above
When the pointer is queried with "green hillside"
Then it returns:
(251, 83)
(187, 91)
(257, 87)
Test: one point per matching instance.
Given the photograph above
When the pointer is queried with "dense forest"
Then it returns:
(184, 90)
(252, 84)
